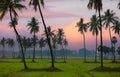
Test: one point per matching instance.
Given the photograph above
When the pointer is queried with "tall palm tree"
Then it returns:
(33, 26)
(97, 5)
(3, 42)
(37, 4)
(42, 43)
(109, 18)
(11, 6)
(82, 28)
(116, 28)
(114, 41)
(94, 28)
(60, 35)
(11, 43)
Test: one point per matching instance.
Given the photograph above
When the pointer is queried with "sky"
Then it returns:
(62, 14)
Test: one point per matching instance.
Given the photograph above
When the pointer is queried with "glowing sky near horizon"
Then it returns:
(62, 14)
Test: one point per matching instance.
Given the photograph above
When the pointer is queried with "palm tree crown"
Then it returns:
(33, 25)
(94, 25)
(82, 27)
(10, 6)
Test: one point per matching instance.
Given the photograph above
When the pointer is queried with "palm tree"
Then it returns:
(65, 42)
(42, 44)
(3, 42)
(118, 50)
(116, 28)
(82, 28)
(94, 28)
(38, 3)
(34, 28)
(107, 19)
(54, 45)
(29, 45)
(114, 41)
(60, 35)
(97, 5)
(10, 42)
(11, 6)
(25, 43)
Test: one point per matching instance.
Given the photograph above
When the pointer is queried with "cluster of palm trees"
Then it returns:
(108, 21)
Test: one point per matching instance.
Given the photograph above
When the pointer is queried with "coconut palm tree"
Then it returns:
(37, 5)
(25, 43)
(60, 35)
(3, 42)
(94, 28)
(107, 19)
(11, 6)
(116, 28)
(33, 26)
(97, 5)
(65, 42)
(42, 43)
(29, 45)
(118, 50)
(82, 28)
(114, 41)
(11, 43)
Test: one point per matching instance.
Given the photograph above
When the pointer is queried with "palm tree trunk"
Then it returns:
(33, 59)
(48, 39)
(101, 40)
(19, 41)
(110, 36)
(96, 50)
(84, 48)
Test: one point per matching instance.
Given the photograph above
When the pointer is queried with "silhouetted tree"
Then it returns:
(34, 28)
(82, 28)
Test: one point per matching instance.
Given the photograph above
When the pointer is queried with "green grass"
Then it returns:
(73, 68)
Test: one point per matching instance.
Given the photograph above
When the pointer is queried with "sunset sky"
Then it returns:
(62, 14)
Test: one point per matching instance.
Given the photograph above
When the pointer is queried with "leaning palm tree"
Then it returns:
(34, 28)
(3, 42)
(116, 28)
(42, 43)
(94, 28)
(37, 5)
(11, 43)
(97, 5)
(114, 41)
(107, 19)
(11, 6)
(82, 28)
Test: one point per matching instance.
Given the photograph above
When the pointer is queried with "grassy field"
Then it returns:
(73, 68)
